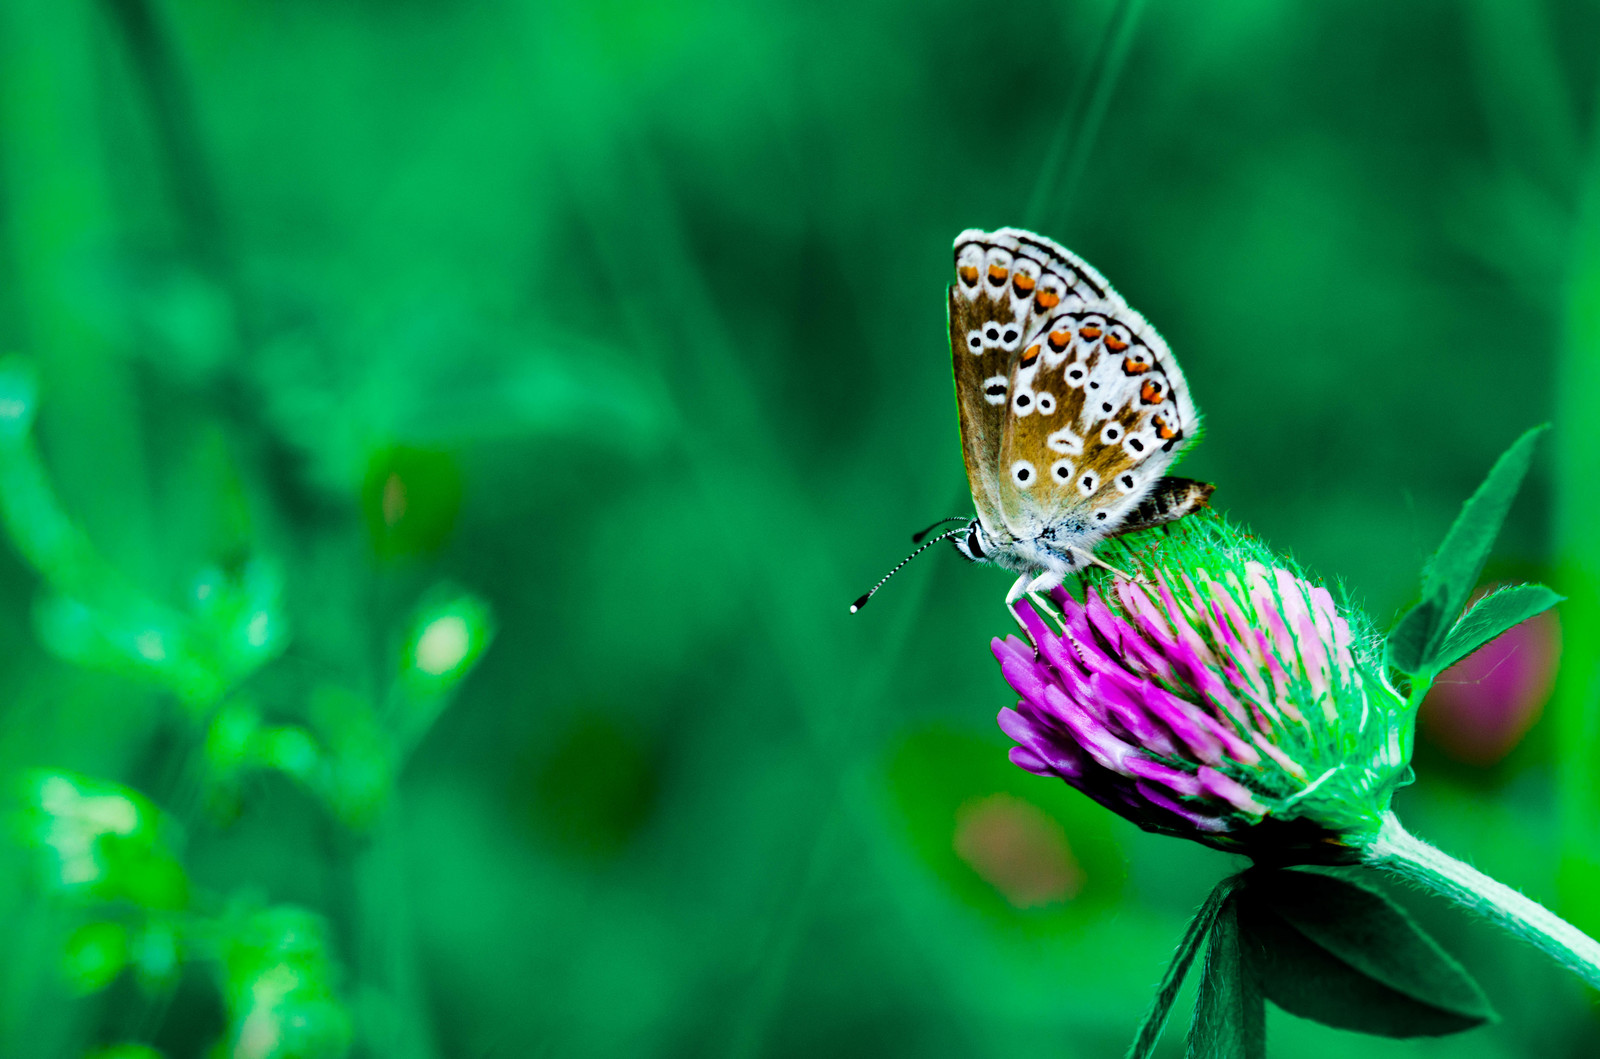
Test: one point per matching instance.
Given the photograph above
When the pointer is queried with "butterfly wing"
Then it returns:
(1008, 285)
(986, 332)
(1096, 407)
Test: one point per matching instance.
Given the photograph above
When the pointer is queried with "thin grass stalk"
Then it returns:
(1080, 125)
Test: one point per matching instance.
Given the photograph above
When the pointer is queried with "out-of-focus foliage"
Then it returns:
(438, 443)
(278, 981)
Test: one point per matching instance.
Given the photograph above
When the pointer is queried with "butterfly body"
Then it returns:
(1071, 407)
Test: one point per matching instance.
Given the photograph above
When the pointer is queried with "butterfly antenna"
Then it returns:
(915, 537)
(858, 604)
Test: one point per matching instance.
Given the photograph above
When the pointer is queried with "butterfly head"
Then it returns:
(973, 543)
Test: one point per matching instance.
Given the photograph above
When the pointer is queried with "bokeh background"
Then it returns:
(438, 443)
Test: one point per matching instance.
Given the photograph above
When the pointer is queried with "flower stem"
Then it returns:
(1401, 852)
(1420, 683)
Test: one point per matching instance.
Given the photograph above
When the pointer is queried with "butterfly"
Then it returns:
(1072, 408)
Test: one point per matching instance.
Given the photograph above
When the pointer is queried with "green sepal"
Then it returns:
(1155, 1017)
(1229, 1012)
(1491, 616)
(1329, 949)
(1451, 574)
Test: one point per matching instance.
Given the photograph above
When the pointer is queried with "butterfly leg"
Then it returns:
(1035, 588)
(1097, 561)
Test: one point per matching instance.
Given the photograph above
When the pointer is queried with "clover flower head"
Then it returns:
(1219, 695)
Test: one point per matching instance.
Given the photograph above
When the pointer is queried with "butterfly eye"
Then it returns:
(1023, 474)
(1088, 483)
(1061, 470)
(1047, 403)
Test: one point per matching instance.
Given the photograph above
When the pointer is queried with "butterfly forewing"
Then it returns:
(986, 332)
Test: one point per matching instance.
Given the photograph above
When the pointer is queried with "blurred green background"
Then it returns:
(439, 443)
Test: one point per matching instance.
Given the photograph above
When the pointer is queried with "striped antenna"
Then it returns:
(929, 543)
(915, 537)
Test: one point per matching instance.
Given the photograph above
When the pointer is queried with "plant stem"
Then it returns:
(1401, 852)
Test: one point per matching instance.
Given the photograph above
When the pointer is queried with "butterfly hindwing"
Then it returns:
(1095, 408)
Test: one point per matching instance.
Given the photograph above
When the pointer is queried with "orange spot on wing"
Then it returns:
(1164, 429)
(1135, 365)
(1151, 392)
(1115, 344)
(1046, 300)
(1058, 340)
(998, 274)
(1030, 355)
(968, 274)
(1089, 333)
(1022, 284)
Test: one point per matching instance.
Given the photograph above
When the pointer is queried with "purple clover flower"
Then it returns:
(1219, 695)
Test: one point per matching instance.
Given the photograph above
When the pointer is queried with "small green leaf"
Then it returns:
(1229, 1014)
(1331, 950)
(1455, 566)
(1408, 643)
(1453, 570)
(1493, 615)
(1155, 1019)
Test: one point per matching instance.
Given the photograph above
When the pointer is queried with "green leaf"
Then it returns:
(1408, 643)
(1493, 615)
(1453, 570)
(1155, 1019)
(1331, 950)
(1229, 1015)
